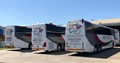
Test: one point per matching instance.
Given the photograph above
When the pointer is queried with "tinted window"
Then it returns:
(92, 28)
(54, 28)
(22, 29)
(88, 27)
(102, 30)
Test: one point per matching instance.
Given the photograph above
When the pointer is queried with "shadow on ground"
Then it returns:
(2, 62)
(103, 54)
(53, 53)
(19, 50)
(118, 45)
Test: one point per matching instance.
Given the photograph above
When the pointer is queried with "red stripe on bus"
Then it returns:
(99, 41)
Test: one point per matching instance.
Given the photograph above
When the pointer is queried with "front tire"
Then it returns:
(23, 48)
(46, 51)
(59, 48)
(99, 48)
(30, 46)
(113, 45)
(95, 49)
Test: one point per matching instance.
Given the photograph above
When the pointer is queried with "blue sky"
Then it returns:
(29, 12)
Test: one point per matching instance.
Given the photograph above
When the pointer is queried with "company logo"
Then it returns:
(38, 32)
(9, 32)
(74, 28)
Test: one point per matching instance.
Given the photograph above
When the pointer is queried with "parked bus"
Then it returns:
(117, 37)
(112, 23)
(84, 36)
(9, 36)
(2, 36)
(48, 37)
(19, 36)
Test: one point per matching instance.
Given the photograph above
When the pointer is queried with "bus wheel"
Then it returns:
(95, 49)
(99, 48)
(113, 45)
(59, 47)
(22, 48)
(78, 52)
(63, 48)
(30, 46)
(46, 51)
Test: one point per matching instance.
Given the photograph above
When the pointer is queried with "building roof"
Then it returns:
(108, 22)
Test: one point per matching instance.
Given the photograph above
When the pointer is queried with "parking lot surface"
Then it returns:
(27, 56)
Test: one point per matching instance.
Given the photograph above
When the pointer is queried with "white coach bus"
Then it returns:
(84, 36)
(2, 36)
(117, 37)
(19, 36)
(9, 36)
(48, 37)
(112, 23)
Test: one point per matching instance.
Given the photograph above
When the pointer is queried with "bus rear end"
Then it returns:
(75, 33)
(39, 37)
(9, 36)
(117, 37)
(2, 36)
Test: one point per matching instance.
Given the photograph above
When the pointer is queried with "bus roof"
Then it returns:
(19, 26)
(52, 28)
(94, 23)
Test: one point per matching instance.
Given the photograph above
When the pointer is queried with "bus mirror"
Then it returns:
(82, 20)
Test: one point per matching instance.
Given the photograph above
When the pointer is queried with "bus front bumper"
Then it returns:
(75, 50)
(37, 49)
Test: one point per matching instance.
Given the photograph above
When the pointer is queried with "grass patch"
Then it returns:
(5, 48)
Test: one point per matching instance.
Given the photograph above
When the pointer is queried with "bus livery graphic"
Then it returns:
(74, 28)
(9, 32)
(38, 32)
